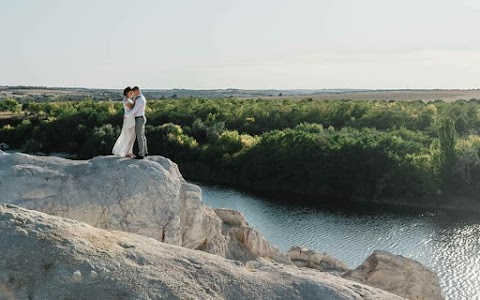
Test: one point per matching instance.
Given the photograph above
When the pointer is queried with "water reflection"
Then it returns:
(448, 243)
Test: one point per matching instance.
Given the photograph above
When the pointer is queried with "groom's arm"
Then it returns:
(135, 109)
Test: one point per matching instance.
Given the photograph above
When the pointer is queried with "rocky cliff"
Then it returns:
(150, 198)
(47, 257)
(147, 197)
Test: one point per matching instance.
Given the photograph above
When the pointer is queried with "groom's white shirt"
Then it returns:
(139, 109)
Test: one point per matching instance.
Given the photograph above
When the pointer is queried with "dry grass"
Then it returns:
(47, 92)
(399, 95)
(9, 115)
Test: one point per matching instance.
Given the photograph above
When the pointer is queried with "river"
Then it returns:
(448, 243)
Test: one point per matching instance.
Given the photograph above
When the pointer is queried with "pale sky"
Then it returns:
(248, 44)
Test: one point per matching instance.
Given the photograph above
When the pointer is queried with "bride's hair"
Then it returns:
(126, 90)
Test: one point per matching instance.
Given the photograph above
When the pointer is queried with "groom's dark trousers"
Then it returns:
(140, 132)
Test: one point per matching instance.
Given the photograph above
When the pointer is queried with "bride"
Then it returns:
(124, 144)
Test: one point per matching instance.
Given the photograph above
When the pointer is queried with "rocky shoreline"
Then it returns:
(158, 224)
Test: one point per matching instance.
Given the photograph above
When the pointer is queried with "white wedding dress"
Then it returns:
(124, 144)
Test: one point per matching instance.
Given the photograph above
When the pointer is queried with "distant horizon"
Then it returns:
(244, 89)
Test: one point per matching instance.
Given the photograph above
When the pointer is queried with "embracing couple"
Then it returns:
(133, 125)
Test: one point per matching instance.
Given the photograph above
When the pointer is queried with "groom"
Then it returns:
(139, 112)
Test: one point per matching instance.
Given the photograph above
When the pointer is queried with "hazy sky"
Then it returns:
(251, 44)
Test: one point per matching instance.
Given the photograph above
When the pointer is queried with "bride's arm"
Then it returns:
(128, 103)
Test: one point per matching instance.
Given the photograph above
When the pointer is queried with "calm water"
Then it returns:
(447, 243)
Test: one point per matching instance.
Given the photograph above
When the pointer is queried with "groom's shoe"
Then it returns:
(138, 157)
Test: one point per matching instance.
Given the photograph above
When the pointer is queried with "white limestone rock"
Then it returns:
(147, 197)
(231, 217)
(48, 257)
(244, 242)
(399, 275)
(303, 257)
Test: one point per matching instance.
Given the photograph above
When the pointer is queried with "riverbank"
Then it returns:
(338, 150)
(199, 173)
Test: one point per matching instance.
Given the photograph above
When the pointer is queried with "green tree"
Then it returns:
(10, 105)
(446, 136)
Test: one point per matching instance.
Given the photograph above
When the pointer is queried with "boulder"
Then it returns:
(303, 257)
(244, 242)
(48, 257)
(147, 197)
(231, 217)
(399, 275)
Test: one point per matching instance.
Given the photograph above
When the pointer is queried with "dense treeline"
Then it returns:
(363, 150)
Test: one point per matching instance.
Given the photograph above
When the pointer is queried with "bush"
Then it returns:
(10, 105)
